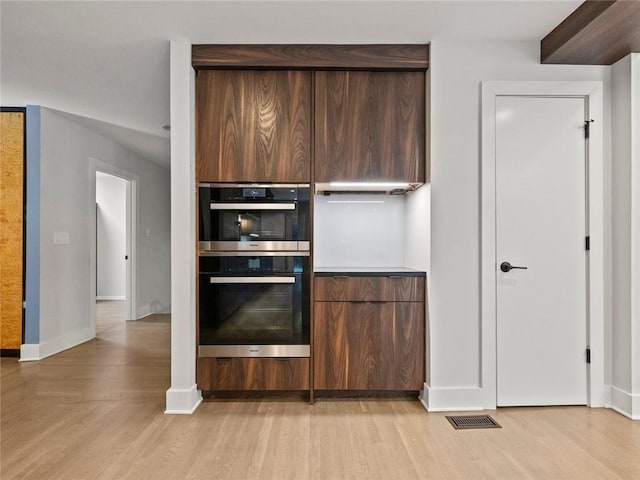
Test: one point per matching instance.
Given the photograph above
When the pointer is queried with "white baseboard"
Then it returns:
(456, 399)
(183, 401)
(624, 403)
(29, 352)
(38, 351)
(111, 297)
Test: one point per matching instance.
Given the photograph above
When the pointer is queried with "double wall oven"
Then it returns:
(254, 270)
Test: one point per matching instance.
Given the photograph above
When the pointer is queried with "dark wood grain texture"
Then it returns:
(253, 374)
(368, 346)
(405, 57)
(253, 126)
(596, 33)
(369, 126)
(385, 289)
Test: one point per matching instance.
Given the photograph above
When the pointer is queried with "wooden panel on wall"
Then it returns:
(596, 33)
(253, 126)
(368, 346)
(405, 57)
(369, 126)
(11, 225)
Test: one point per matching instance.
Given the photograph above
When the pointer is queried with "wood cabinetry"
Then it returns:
(395, 288)
(369, 126)
(369, 333)
(236, 374)
(253, 126)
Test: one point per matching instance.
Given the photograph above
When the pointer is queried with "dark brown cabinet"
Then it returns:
(372, 337)
(236, 374)
(253, 126)
(395, 288)
(370, 126)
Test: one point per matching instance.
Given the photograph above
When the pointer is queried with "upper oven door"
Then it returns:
(253, 217)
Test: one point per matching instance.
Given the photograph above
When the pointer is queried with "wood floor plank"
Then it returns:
(96, 412)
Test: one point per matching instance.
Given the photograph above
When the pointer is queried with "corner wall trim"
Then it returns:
(29, 352)
(183, 401)
(452, 399)
(624, 403)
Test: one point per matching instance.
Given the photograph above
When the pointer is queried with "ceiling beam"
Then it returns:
(596, 33)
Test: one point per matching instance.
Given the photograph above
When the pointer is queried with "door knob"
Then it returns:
(506, 266)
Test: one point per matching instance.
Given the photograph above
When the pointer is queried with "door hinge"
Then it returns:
(587, 125)
(587, 243)
(588, 355)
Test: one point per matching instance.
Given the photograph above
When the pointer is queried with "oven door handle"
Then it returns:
(252, 280)
(252, 206)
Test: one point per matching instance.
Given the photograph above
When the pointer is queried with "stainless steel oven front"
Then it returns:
(254, 304)
(253, 217)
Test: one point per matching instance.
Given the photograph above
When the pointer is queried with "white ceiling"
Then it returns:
(107, 62)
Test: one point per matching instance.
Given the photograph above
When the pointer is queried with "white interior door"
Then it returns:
(541, 225)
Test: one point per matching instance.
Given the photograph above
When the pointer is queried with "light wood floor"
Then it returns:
(109, 313)
(96, 411)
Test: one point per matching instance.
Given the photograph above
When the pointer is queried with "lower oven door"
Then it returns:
(254, 307)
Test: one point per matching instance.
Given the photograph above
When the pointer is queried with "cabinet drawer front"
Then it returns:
(369, 346)
(253, 374)
(369, 289)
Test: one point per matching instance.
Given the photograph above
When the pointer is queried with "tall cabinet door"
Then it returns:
(11, 228)
(253, 126)
(369, 126)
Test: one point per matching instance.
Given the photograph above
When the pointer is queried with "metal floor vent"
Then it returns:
(463, 422)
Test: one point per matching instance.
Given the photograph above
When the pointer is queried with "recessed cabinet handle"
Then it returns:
(369, 301)
(341, 276)
(396, 277)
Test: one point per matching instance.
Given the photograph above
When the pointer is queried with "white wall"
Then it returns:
(111, 242)
(625, 327)
(457, 68)
(359, 230)
(66, 206)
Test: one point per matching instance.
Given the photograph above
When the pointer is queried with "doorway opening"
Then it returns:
(113, 255)
(111, 250)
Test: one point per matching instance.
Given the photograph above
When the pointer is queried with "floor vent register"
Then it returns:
(466, 422)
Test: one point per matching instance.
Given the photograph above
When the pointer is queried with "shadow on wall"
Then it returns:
(155, 307)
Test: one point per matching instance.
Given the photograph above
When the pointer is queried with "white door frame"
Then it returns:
(592, 92)
(131, 240)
